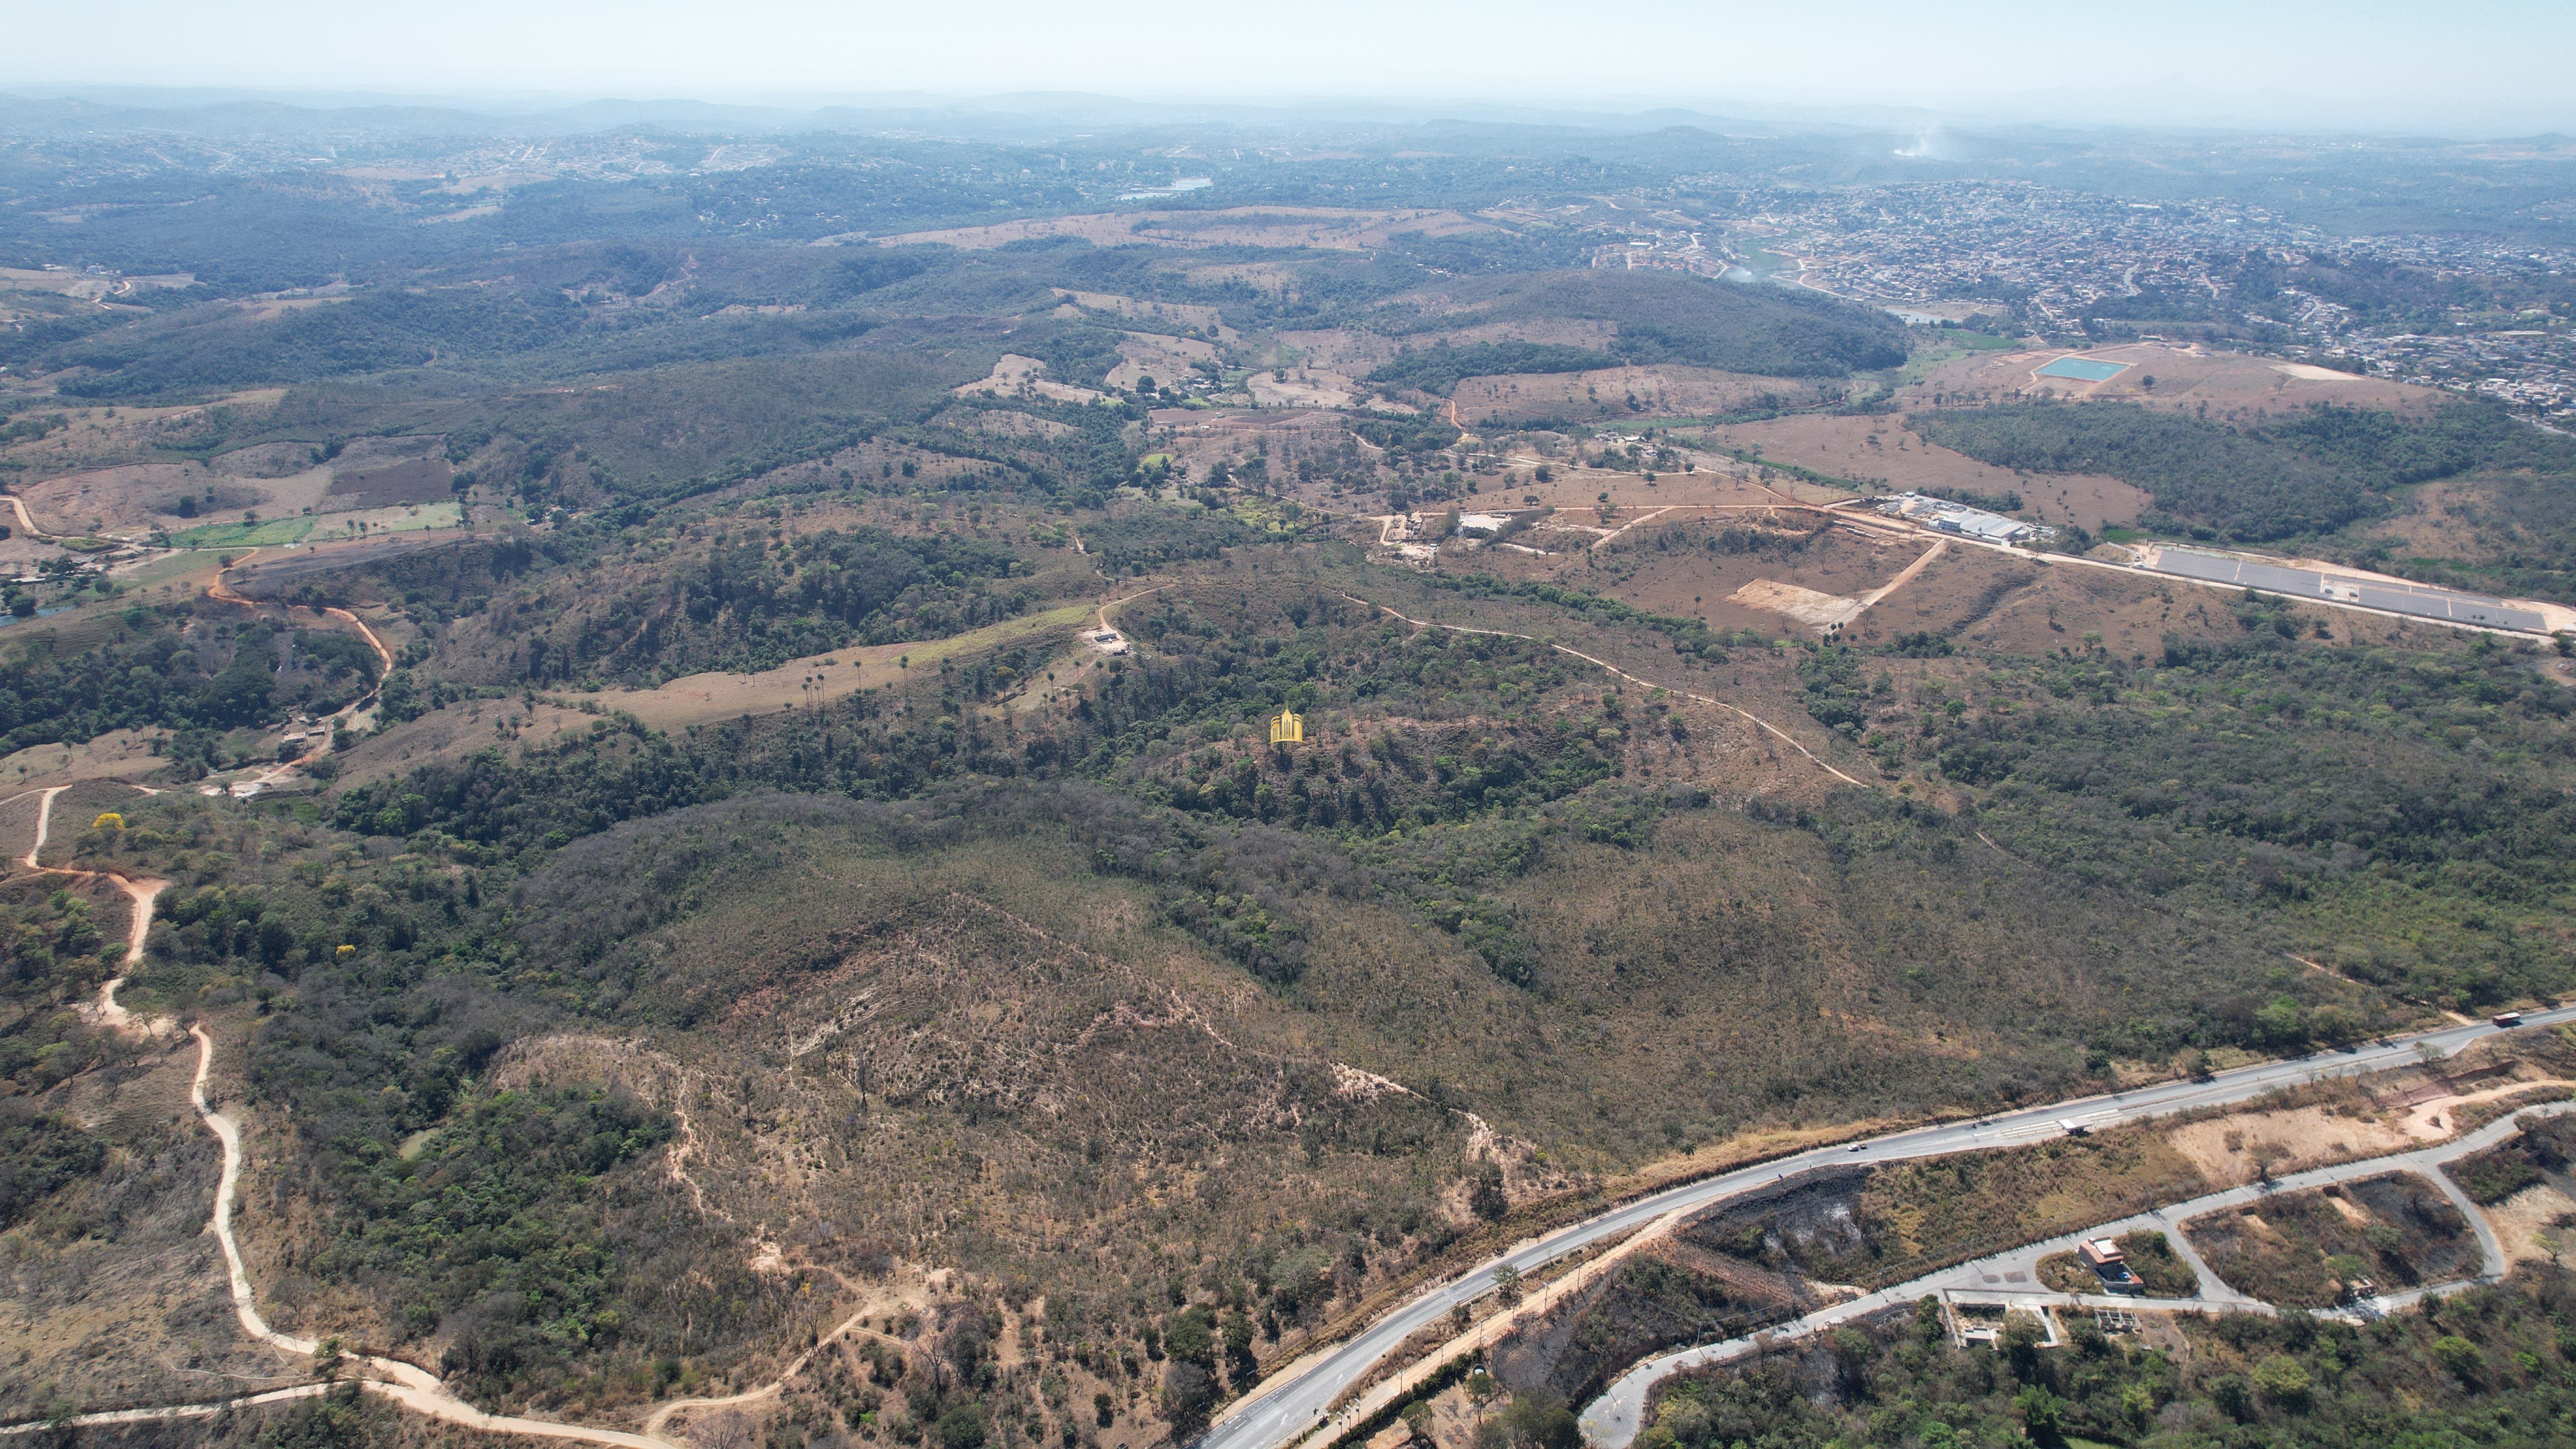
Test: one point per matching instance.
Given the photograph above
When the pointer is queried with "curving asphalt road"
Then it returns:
(1612, 1421)
(1286, 1412)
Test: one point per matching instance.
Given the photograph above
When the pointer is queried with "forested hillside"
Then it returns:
(1658, 318)
(711, 772)
(2312, 474)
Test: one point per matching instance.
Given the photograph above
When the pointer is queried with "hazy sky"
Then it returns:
(2498, 64)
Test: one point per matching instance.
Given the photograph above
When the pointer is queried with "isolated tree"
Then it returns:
(962, 1427)
(1187, 1339)
(726, 1430)
(1189, 1391)
(2284, 1380)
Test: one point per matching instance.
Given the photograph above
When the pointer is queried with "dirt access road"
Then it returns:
(140, 890)
(1758, 721)
(413, 1387)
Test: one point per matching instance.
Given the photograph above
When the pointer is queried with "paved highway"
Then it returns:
(1283, 1413)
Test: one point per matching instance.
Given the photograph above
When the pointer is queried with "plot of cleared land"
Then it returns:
(460, 730)
(1183, 314)
(2162, 375)
(118, 754)
(1659, 391)
(280, 482)
(2532, 1224)
(1883, 450)
(464, 728)
(142, 496)
(1017, 376)
(1820, 612)
(2234, 1150)
(820, 678)
(1339, 349)
(413, 480)
(1167, 360)
(1299, 387)
(1680, 564)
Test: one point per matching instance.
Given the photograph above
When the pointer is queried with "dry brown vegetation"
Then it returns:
(2305, 1249)
(1882, 451)
(1621, 394)
(1873, 1226)
(2231, 385)
(1323, 228)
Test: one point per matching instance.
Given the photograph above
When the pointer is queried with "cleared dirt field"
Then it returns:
(2531, 1224)
(1996, 600)
(1821, 613)
(2440, 519)
(2231, 1151)
(1236, 429)
(1327, 228)
(457, 732)
(1754, 589)
(114, 500)
(384, 472)
(1338, 349)
(1183, 314)
(275, 481)
(1299, 387)
(1167, 360)
(2002, 601)
(1017, 376)
(1986, 597)
(116, 755)
(1574, 490)
(2231, 384)
(1658, 392)
(1882, 450)
(821, 678)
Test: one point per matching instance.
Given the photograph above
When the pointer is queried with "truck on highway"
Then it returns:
(2072, 1128)
(2505, 1019)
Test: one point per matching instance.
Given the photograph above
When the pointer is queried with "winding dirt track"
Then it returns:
(412, 1387)
(1784, 736)
(26, 522)
(373, 642)
(141, 890)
